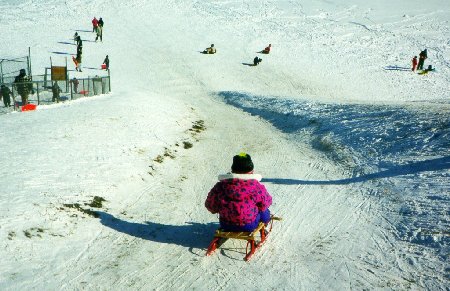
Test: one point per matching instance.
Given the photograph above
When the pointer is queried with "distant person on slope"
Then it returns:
(77, 62)
(99, 33)
(256, 61)
(55, 92)
(100, 22)
(210, 50)
(414, 63)
(106, 62)
(422, 57)
(241, 201)
(5, 94)
(24, 86)
(266, 50)
(75, 83)
(94, 24)
(79, 42)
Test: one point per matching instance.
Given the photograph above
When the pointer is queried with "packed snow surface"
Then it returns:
(107, 192)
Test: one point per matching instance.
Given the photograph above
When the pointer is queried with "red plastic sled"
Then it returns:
(29, 107)
(103, 66)
(84, 92)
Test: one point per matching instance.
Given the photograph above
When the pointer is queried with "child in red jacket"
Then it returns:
(239, 198)
(414, 63)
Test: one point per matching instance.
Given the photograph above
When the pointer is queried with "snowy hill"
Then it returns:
(108, 192)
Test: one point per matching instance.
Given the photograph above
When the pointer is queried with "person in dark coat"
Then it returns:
(422, 56)
(24, 86)
(106, 62)
(256, 61)
(79, 41)
(5, 94)
(100, 30)
(79, 50)
(55, 90)
(75, 83)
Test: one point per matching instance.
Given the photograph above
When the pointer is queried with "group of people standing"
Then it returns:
(23, 85)
(97, 27)
(418, 63)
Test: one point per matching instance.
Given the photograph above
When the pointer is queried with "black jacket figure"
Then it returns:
(5, 93)
(75, 83)
(23, 85)
(256, 61)
(422, 56)
(106, 62)
(100, 22)
(55, 90)
(79, 42)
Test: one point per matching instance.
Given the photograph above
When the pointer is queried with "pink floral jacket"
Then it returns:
(238, 198)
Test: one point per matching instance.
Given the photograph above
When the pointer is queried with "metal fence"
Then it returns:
(41, 89)
(9, 68)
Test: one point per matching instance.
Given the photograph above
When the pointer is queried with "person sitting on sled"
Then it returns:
(241, 201)
(256, 61)
(210, 50)
(267, 49)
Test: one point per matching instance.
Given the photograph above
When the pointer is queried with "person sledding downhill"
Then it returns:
(210, 50)
(266, 50)
(242, 203)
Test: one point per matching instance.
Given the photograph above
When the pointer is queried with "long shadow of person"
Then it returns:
(191, 235)
(61, 53)
(438, 164)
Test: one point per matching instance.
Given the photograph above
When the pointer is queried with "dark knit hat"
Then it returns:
(242, 164)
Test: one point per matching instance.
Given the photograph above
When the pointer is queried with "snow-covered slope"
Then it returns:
(354, 150)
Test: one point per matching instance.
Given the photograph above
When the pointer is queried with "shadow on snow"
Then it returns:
(63, 53)
(191, 235)
(408, 169)
(65, 42)
(396, 68)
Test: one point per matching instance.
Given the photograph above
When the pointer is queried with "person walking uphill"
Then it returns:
(239, 198)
